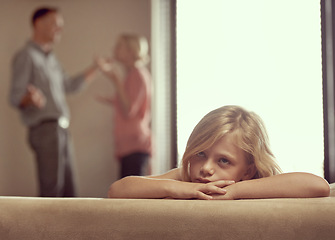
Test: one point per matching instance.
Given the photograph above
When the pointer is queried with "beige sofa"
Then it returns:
(93, 218)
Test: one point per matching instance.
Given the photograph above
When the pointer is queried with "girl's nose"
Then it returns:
(207, 169)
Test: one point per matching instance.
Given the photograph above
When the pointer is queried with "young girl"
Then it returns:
(227, 157)
(131, 104)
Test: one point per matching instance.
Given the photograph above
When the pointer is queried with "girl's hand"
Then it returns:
(203, 191)
(228, 196)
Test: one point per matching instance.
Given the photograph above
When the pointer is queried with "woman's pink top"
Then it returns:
(132, 132)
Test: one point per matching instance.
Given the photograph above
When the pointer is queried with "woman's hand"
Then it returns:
(105, 65)
(105, 100)
(203, 191)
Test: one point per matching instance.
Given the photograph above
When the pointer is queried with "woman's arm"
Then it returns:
(287, 185)
(121, 93)
(167, 185)
(106, 67)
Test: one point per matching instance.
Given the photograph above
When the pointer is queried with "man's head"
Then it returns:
(47, 24)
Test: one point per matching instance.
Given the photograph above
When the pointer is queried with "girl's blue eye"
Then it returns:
(224, 161)
(201, 154)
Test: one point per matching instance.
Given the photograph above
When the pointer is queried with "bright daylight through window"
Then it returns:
(263, 55)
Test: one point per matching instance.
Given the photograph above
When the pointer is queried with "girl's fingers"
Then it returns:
(207, 191)
(202, 196)
(212, 189)
(223, 183)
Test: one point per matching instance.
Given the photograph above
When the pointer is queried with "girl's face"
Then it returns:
(223, 161)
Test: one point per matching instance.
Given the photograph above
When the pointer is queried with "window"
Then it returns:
(262, 55)
(163, 73)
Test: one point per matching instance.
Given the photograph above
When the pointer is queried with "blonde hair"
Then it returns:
(139, 47)
(249, 132)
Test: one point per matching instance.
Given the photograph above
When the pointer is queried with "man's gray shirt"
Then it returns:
(33, 66)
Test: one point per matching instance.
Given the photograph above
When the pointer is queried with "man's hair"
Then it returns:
(41, 12)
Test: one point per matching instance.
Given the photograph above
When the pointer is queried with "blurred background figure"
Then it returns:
(131, 103)
(38, 90)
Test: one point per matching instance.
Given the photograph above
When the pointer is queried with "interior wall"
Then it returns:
(91, 28)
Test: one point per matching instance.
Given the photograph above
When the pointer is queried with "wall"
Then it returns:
(91, 28)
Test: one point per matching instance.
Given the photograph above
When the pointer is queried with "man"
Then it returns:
(38, 91)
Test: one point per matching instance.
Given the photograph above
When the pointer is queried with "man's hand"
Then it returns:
(34, 97)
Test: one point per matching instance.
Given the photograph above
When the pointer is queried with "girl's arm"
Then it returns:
(287, 185)
(167, 185)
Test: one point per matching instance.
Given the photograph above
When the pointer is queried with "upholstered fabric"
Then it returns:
(92, 218)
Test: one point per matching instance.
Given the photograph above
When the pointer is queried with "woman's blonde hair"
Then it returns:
(138, 45)
(250, 136)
